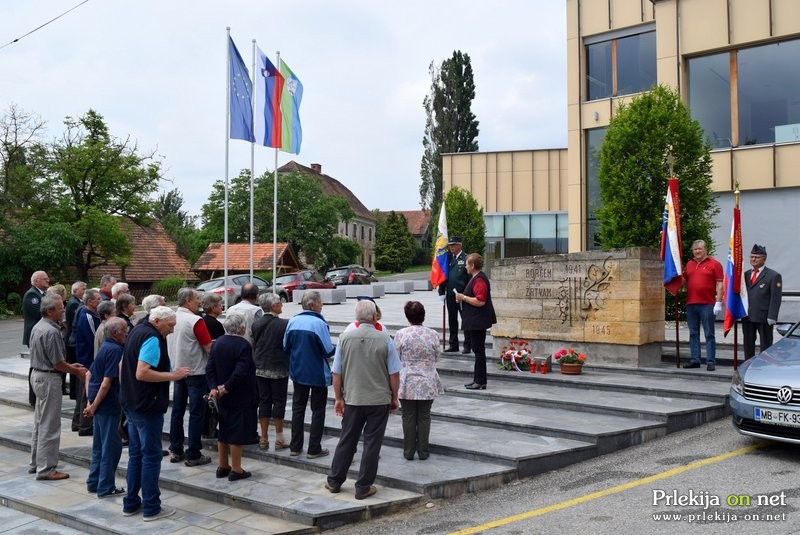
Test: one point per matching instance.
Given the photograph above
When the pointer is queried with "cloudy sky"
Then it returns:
(156, 71)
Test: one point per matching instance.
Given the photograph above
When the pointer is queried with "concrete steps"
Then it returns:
(523, 424)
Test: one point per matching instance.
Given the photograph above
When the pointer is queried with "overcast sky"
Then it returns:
(156, 71)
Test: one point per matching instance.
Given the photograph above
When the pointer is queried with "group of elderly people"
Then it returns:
(245, 372)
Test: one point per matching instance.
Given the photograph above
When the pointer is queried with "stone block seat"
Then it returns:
(398, 287)
(422, 285)
(370, 290)
(330, 296)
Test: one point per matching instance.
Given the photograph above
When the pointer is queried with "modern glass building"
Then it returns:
(736, 64)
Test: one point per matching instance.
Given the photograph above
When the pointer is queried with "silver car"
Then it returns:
(233, 290)
(765, 392)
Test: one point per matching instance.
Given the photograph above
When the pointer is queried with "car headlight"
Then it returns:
(736, 383)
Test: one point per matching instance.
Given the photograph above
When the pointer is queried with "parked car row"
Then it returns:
(305, 279)
(232, 291)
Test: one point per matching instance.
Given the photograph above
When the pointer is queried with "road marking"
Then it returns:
(607, 492)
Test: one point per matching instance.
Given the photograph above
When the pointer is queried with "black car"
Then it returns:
(352, 274)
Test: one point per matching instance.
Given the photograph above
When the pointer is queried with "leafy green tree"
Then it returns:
(93, 179)
(307, 218)
(450, 125)
(394, 246)
(642, 139)
(465, 219)
(168, 209)
(21, 159)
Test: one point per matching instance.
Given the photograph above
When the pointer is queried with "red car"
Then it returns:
(307, 279)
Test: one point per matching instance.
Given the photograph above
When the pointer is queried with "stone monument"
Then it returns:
(606, 304)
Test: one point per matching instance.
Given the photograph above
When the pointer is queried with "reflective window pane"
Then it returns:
(636, 63)
(518, 226)
(594, 140)
(710, 97)
(598, 69)
(494, 225)
(769, 78)
(562, 233)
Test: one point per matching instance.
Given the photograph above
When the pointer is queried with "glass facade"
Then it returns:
(635, 60)
(765, 80)
(594, 140)
(519, 234)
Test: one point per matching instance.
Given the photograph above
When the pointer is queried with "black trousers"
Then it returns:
(749, 331)
(371, 419)
(453, 313)
(478, 338)
(319, 399)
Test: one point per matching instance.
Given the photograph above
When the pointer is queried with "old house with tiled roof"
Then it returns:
(212, 262)
(154, 257)
(361, 228)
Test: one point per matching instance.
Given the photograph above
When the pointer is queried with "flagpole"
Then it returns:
(736, 321)
(275, 203)
(227, 150)
(252, 158)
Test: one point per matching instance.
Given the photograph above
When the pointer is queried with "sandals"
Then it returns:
(280, 445)
(263, 443)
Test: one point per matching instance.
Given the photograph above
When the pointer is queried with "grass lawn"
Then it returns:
(412, 269)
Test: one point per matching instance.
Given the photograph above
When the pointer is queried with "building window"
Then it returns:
(370, 234)
(594, 140)
(621, 66)
(760, 82)
(510, 235)
(362, 232)
(355, 228)
(710, 97)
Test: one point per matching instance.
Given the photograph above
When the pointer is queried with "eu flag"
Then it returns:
(241, 96)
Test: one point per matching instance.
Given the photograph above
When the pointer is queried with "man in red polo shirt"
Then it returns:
(703, 277)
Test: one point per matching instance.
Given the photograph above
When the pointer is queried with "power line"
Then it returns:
(43, 25)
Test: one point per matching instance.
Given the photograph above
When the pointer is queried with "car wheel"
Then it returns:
(284, 298)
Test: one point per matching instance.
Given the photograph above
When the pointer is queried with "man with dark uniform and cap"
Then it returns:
(764, 289)
(457, 279)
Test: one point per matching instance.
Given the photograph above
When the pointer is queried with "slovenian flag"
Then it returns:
(439, 267)
(292, 132)
(735, 289)
(241, 108)
(267, 124)
(671, 239)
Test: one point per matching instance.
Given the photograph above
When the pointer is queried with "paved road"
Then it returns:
(614, 494)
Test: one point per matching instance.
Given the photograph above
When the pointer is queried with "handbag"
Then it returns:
(211, 419)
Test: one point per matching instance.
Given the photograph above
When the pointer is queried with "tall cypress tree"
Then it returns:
(450, 125)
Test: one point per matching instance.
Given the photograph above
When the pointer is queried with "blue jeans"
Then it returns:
(144, 462)
(106, 450)
(193, 388)
(697, 315)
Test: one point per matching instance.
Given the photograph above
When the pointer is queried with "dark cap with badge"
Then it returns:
(759, 250)
(454, 240)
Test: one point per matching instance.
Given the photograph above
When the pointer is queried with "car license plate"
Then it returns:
(777, 417)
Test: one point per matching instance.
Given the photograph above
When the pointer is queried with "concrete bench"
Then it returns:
(422, 285)
(399, 287)
(330, 296)
(370, 290)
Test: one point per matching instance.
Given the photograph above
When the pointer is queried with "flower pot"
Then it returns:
(570, 369)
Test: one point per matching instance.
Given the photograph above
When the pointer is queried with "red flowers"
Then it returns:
(516, 357)
(569, 356)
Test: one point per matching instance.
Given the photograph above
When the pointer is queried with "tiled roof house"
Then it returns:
(154, 257)
(212, 262)
(361, 228)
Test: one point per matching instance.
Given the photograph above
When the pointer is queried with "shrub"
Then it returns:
(14, 302)
(169, 287)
